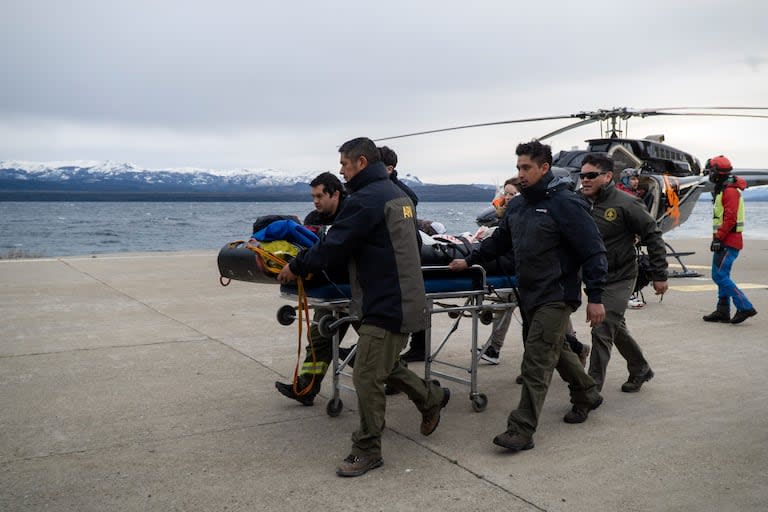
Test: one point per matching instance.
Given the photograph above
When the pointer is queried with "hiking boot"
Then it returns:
(513, 441)
(579, 414)
(413, 355)
(491, 355)
(429, 420)
(287, 390)
(742, 315)
(634, 384)
(584, 355)
(356, 465)
(719, 315)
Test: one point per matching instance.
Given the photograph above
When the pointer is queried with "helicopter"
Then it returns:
(672, 179)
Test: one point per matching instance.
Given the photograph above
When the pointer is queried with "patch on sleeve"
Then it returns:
(407, 212)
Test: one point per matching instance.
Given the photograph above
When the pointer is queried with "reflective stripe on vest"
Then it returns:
(718, 211)
(310, 368)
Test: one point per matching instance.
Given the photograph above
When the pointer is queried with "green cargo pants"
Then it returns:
(547, 350)
(613, 331)
(377, 363)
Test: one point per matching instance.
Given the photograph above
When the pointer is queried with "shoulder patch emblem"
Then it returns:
(407, 212)
(610, 215)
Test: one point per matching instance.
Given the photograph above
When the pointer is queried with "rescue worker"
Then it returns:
(328, 196)
(376, 234)
(621, 220)
(548, 233)
(727, 241)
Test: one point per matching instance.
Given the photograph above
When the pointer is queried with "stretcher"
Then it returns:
(470, 294)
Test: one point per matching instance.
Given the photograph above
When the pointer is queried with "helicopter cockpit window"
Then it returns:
(601, 147)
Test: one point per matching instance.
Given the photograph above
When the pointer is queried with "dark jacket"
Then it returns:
(553, 242)
(620, 217)
(315, 218)
(375, 232)
(405, 188)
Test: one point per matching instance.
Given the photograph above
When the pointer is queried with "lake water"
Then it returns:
(49, 229)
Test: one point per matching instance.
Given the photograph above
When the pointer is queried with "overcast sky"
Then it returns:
(253, 84)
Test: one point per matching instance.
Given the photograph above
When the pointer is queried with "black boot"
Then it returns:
(287, 391)
(740, 316)
(721, 314)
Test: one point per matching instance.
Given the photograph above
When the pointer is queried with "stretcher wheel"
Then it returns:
(453, 314)
(334, 407)
(479, 402)
(486, 317)
(324, 326)
(286, 315)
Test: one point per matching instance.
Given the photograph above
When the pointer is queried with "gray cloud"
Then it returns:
(218, 82)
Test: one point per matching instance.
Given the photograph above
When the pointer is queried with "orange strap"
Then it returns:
(303, 309)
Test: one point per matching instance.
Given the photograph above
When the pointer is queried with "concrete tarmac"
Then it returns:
(137, 382)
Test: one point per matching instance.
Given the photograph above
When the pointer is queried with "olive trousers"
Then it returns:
(546, 350)
(377, 363)
(613, 331)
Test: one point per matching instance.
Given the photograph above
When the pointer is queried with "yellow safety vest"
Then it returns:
(718, 212)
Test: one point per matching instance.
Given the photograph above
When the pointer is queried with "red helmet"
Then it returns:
(719, 164)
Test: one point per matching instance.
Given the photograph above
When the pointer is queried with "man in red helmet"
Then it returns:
(727, 226)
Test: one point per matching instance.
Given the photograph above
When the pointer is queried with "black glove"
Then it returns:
(716, 245)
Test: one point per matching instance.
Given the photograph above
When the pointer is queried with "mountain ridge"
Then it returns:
(87, 180)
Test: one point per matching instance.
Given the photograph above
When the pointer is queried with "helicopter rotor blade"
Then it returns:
(566, 128)
(495, 123)
(597, 115)
(704, 108)
(711, 114)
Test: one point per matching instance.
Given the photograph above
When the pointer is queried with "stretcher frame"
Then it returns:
(480, 301)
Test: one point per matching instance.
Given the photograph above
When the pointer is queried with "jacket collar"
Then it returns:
(545, 187)
(373, 172)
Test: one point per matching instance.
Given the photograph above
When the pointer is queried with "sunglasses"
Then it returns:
(590, 175)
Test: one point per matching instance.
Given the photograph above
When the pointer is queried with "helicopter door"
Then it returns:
(622, 159)
(652, 197)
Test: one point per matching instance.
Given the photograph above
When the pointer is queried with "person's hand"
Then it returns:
(661, 287)
(458, 265)
(716, 245)
(595, 314)
(286, 276)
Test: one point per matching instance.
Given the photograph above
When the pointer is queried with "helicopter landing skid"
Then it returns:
(685, 272)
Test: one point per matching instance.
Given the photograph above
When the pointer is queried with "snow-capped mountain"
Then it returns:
(93, 171)
(52, 180)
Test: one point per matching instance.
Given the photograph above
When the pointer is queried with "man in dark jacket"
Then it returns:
(376, 234)
(328, 196)
(548, 233)
(620, 218)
